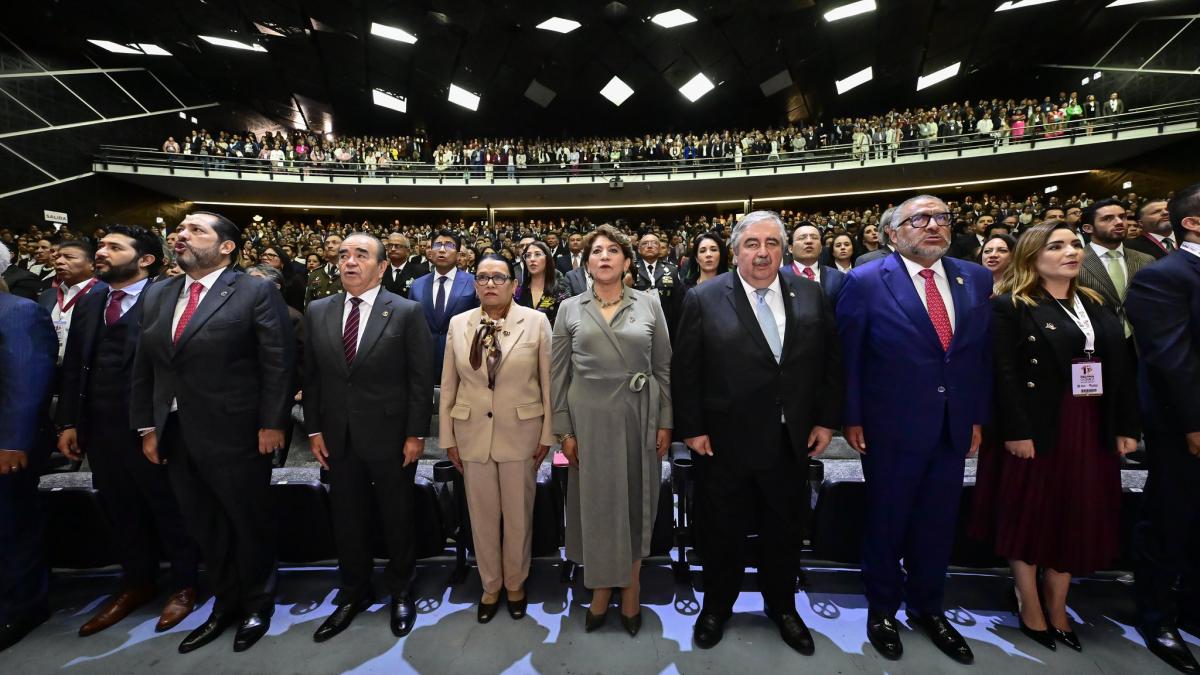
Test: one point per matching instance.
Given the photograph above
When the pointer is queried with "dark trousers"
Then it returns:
(228, 511)
(729, 498)
(351, 483)
(140, 504)
(912, 507)
(1167, 537)
(23, 574)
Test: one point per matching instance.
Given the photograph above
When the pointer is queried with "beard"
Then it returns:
(921, 250)
(199, 258)
(119, 273)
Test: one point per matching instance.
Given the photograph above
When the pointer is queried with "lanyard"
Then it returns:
(1081, 319)
(64, 308)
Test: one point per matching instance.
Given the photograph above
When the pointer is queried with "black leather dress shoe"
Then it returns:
(12, 632)
(340, 619)
(1043, 637)
(207, 632)
(1067, 637)
(794, 632)
(1166, 644)
(487, 611)
(944, 637)
(884, 634)
(709, 630)
(253, 627)
(516, 608)
(404, 616)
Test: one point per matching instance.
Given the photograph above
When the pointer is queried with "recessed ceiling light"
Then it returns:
(673, 18)
(388, 100)
(559, 25)
(153, 50)
(140, 48)
(616, 91)
(466, 99)
(1097, 75)
(1122, 3)
(1020, 4)
(1127, 185)
(393, 33)
(1085, 80)
(861, 77)
(696, 87)
(233, 44)
(852, 9)
(1051, 188)
(938, 75)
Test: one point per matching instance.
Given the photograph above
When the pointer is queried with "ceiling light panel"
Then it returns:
(1020, 4)
(233, 44)
(464, 98)
(393, 33)
(559, 25)
(938, 76)
(386, 100)
(696, 87)
(616, 91)
(852, 9)
(861, 77)
(1122, 3)
(140, 48)
(673, 18)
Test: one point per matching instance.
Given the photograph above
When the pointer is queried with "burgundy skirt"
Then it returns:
(1060, 510)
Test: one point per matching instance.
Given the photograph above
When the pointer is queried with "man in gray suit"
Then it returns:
(368, 383)
(1108, 265)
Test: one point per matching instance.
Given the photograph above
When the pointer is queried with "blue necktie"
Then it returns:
(766, 321)
(439, 304)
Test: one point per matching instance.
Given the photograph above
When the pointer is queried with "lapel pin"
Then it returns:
(791, 294)
(959, 280)
(506, 333)
(1051, 326)
(385, 314)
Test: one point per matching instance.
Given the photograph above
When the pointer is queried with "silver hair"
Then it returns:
(5, 258)
(885, 225)
(269, 273)
(908, 202)
(381, 255)
(735, 237)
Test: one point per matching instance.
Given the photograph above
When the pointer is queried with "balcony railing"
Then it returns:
(1156, 117)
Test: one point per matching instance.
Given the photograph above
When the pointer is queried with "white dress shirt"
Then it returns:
(798, 268)
(774, 301)
(132, 291)
(1190, 247)
(181, 304)
(62, 319)
(1102, 253)
(939, 279)
(364, 311)
(449, 276)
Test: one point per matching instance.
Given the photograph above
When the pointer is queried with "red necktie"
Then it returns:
(112, 313)
(937, 310)
(350, 333)
(193, 302)
(808, 274)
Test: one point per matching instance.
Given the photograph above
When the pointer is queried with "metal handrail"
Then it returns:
(138, 157)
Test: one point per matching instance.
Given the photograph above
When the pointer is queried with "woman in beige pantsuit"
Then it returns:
(495, 426)
(612, 412)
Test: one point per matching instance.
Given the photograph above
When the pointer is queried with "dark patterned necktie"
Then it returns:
(350, 334)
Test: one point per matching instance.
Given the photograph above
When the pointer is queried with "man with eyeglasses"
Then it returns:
(400, 272)
(444, 292)
(916, 335)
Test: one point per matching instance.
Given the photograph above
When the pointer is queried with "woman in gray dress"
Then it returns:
(610, 390)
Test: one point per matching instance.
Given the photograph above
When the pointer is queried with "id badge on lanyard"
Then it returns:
(1087, 374)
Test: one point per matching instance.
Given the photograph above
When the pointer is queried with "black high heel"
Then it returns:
(1042, 637)
(593, 622)
(1067, 637)
(632, 624)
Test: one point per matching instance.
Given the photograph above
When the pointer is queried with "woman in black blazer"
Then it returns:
(1050, 496)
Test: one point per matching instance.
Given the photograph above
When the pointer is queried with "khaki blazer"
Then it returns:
(507, 424)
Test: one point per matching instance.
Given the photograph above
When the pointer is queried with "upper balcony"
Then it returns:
(944, 162)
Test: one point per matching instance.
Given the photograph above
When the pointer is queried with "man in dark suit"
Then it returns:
(658, 276)
(1108, 266)
(1158, 238)
(400, 271)
(966, 245)
(74, 266)
(444, 292)
(27, 354)
(577, 280)
(573, 257)
(212, 393)
(368, 377)
(1163, 305)
(806, 253)
(916, 333)
(756, 381)
(92, 416)
(22, 283)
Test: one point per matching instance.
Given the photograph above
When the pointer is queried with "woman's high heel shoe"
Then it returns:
(1042, 637)
(1066, 637)
(632, 624)
(594, 621)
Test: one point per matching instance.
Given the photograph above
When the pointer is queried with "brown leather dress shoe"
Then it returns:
(177, 608)
(118, 608)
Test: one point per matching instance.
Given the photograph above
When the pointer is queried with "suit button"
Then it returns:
(489, 414)
(1030, 385)
(1033, 362)
(1032, 339)
(941, 390)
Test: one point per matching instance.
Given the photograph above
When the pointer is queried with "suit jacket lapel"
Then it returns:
(216, 296)
(1095, 266)
(1050, 323)
(958, 295)
(333, 328)
(135, 321)
(791, 316)
(745, 313)
(460, 289)
(380, 313)
(514, 332)
(895, 276)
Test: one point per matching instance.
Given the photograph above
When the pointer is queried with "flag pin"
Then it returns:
(224, 293)
(1051, 326)
(959, 280)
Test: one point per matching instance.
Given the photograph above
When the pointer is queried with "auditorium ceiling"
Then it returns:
(318, 64)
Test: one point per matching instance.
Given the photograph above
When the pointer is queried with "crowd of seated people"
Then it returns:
(861, 137)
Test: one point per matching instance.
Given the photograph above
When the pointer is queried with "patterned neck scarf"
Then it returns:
(487, 343)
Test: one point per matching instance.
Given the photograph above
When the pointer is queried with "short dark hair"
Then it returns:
(380, 255)
(512, 269)
(81, 245)
(991, 231)
(1185, 203)
(551, 271)
(451, 234)
(1089, 214)
(145, 242)
(1010, 241)
(1142, 207)
(611, 233)
(226, 230)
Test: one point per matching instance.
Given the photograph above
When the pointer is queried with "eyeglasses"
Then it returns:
(269, 255)
(534, 255)
(443, 246)
(920, 221)
(492, 280)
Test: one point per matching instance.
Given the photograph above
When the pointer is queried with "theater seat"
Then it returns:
(838, 521)
(304, 522)
(78, 534)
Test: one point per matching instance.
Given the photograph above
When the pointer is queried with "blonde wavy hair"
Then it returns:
(1022, 280)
